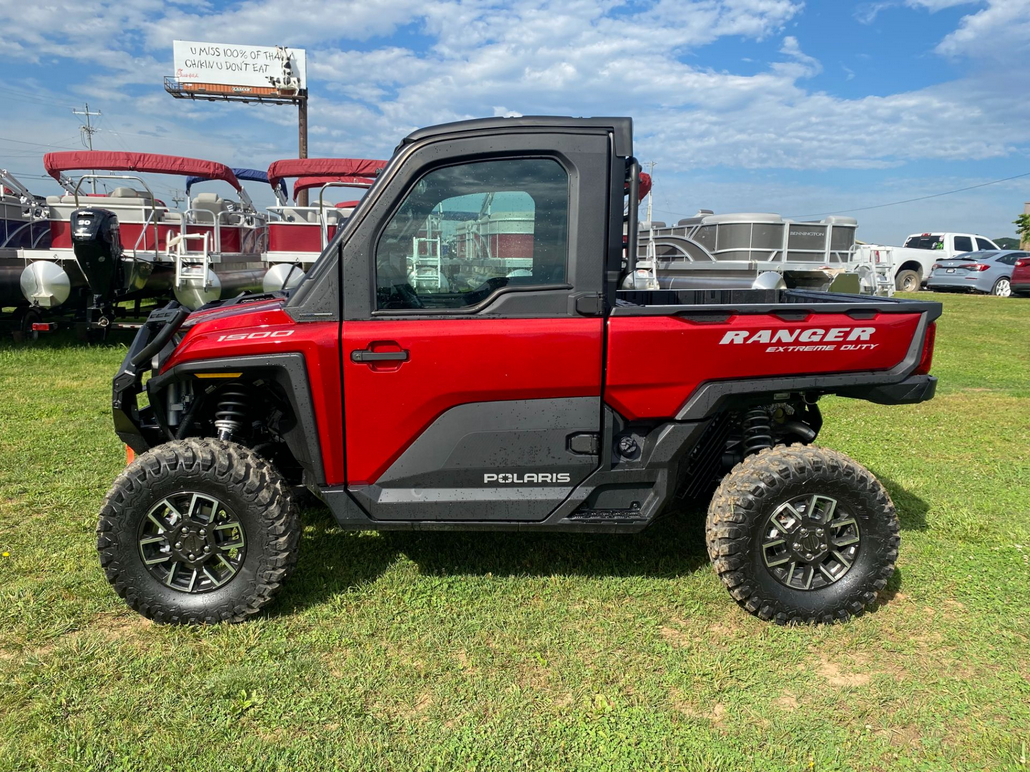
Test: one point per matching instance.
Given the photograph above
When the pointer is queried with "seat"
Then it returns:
(129, 193)
(334, 216)
(295, 215)
(210, 202)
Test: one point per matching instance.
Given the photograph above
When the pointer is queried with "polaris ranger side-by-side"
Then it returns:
(470, 352)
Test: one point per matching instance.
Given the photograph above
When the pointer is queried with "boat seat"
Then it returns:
(83, 200)
(209, 202)
(119, 197)
(299, 215)
(131, 193)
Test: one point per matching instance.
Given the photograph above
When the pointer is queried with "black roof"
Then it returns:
(621, 128)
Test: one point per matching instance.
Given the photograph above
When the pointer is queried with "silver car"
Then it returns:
(989, 271)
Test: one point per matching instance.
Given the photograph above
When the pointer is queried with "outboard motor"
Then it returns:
(98, 249)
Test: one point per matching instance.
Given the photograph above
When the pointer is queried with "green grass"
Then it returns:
(509, 651)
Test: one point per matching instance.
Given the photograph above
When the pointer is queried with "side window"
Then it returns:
(963, 244)
(465, 231)
(1007, 259)
(984, 244)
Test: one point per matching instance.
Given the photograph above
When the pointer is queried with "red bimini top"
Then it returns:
(645, 185)
(324, 167)
(316, 182)
(152, 163)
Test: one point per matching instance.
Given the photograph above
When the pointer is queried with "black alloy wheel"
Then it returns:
(802, 534)
(192, 542)
(810, 542)
(198, 531)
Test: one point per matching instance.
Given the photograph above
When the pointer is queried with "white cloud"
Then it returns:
(866, 13)
(937, 5)
(803, 65)
(1002, 28)
(460, 59)
(689, 116)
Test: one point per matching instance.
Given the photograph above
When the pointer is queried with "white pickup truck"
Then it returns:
(909, 266)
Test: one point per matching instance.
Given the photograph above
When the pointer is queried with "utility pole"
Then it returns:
(650, 173)
(302, 138)
(178, 198)
(652, 252)
(88, 131)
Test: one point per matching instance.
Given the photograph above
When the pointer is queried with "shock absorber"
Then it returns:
(232, 409)
(757, 430)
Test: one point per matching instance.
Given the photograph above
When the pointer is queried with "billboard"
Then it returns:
(238, 68)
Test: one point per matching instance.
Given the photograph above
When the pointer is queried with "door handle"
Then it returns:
(368, 356)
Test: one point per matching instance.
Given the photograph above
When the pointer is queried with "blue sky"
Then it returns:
(746, 105)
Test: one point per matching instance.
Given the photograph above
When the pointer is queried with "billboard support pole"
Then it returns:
(302, 138)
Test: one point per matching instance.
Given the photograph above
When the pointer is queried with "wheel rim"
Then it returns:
(810, 542)
(192, 542)
(909, 284)
(1003, 288)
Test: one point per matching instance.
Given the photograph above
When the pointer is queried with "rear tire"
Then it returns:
(198, 531)
(907, 281)
(771, 522)
(25, 333)
(1002, 288)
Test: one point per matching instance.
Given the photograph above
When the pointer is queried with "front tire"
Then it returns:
(802, 534)
(198, 531)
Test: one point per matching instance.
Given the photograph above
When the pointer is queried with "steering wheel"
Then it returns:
(410, 296)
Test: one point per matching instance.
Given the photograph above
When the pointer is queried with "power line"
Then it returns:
(27, 174)
(35, 144)
(87, 132)
(37, 98)
(155, 137)
(911, 200)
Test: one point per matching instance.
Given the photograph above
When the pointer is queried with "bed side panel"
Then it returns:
(655, 363)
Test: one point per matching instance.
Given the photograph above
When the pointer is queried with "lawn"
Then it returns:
(528, 651)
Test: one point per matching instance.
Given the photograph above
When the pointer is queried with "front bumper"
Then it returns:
(140, 428)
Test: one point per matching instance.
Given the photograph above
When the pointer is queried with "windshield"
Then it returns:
(925, 241)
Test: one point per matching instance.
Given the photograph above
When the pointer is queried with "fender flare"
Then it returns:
(289, 372)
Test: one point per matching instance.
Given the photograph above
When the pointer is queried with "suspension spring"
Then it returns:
(232, 408)
(757, 430)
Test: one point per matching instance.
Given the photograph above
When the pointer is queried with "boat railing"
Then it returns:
(12, 236)
(13, 184)
(256, 237)
(322, 219)
(427, 263)
(878, 262)
(217, 219)
(290, 214)
(187, 265)
(149, 218)
(771, 240)
(190, 217)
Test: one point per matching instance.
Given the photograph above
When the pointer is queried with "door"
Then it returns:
(472, 387)
(962, 244)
